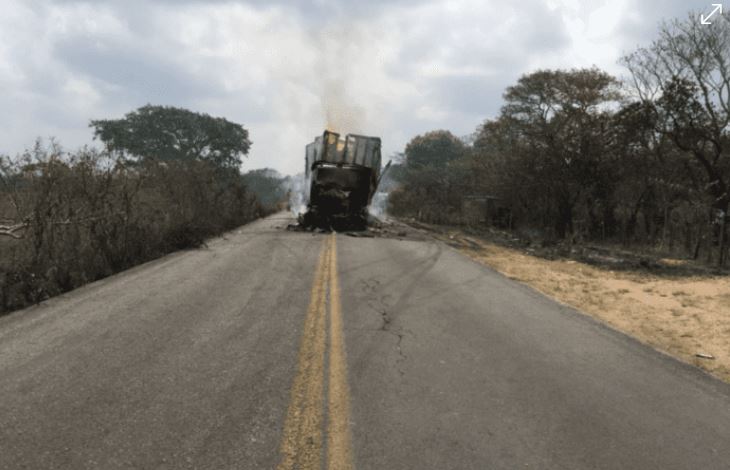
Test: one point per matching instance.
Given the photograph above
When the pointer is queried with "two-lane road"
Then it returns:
(275, 349)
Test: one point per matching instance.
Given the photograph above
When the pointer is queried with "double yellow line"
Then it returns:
(303, 445)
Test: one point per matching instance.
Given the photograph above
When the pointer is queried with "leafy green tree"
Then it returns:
(166, 133)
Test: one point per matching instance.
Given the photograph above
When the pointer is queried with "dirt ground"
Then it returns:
(678, 309)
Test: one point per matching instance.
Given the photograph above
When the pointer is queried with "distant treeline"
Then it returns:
(269, 187)
(578, 155)
(68, 218)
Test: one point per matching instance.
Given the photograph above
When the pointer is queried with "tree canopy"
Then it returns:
(167, 133)
(435, 149)
(551, 142)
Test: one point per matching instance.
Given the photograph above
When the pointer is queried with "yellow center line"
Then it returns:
(339, 455)
(302, 442)
(301, 445)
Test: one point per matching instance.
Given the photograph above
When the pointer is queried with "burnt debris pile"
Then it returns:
(342, 175)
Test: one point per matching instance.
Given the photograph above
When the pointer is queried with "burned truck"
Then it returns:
(342, 175)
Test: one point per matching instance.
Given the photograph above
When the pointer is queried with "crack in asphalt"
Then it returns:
(379, 304)
(386, 319)
(399, 333)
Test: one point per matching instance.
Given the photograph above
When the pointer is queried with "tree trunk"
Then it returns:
(696, 252)
(723, 238)
(564, 224)
(665, 227)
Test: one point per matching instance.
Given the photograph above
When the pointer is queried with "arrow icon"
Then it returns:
(704, 19)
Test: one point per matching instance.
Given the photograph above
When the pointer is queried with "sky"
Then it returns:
(286, 69)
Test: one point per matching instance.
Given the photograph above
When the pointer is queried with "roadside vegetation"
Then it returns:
(610, 196)
(578, 156)
(676, 306)
(167, 179)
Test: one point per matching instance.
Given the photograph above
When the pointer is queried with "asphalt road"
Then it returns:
(276, 349)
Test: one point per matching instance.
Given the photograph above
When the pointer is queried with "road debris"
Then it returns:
(375, 228)
(360, 234)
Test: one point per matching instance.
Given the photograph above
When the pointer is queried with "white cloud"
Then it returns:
(285, 70)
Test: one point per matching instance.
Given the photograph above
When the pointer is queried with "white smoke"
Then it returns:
(341, 65)
(378, 205)
(297, 186)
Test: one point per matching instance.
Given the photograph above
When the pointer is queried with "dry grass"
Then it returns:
(680, 315)
(90, 214)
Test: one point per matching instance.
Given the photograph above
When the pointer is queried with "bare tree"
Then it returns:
(685, 77)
